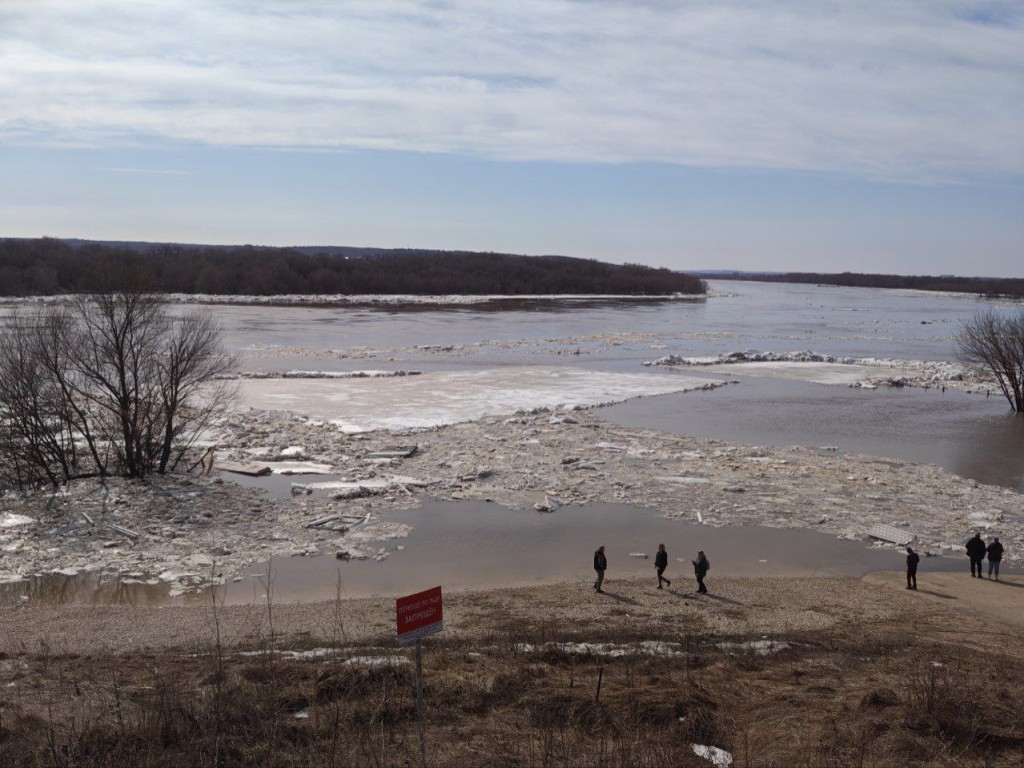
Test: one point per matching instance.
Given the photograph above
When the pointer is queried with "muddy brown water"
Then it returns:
(474, 544)
(968, 435)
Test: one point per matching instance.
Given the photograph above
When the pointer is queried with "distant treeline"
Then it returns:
(50, 266)
(985, 286)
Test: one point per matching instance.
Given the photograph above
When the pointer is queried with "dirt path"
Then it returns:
(1002, 602)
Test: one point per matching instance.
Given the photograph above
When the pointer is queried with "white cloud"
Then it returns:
(910, 89)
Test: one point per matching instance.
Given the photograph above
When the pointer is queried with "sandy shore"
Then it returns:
(1000, 602)
(773, 671)
(740, 607)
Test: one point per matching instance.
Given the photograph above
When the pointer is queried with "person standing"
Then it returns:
(661, 563)
(912, 560)
(995, 555)
(976, 551)
(700, 569)
(600, 565)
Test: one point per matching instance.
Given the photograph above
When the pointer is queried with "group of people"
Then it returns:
(701, 566)
(977, 550)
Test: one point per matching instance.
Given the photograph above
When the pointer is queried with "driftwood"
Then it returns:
(207, 462)
(351, 521)
(398, 452)
(123, 531)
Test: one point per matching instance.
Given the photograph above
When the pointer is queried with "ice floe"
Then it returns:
(446, 397)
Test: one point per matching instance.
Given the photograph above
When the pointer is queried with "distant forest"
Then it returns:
(50, 266)
(985, 286)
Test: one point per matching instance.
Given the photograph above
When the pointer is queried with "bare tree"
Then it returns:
(996, 342)
(56, 338)
(35, 442)
(111, 382)
(117, 342)
(190, 379)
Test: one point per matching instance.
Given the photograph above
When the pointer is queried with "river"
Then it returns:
(970, 435)
(603, 345)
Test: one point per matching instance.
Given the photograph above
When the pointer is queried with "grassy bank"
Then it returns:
(781, 672)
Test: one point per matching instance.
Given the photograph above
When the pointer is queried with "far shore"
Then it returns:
(393, 300)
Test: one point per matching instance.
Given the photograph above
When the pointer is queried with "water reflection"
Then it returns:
(84, 588)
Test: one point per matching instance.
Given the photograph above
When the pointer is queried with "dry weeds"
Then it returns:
(902, 691)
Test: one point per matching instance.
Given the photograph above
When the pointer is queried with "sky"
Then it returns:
(823, 135)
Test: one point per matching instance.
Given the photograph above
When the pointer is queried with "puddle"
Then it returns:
(474, 545)
(92, 588)
(280, 486)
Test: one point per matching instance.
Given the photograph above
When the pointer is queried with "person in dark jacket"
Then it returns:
(700, 569)
(912, 560)
(976, 551)
(661, 563)
(600, 565)
(995, 555)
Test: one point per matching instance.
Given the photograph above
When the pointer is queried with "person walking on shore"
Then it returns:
(995, 555)
(661, 563)
(976, 551)
(700, 570)
(600, 565)
(912, 560)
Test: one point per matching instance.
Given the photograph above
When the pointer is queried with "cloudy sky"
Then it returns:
(865, 135)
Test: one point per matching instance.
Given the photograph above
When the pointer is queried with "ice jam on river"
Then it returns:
(503, 409)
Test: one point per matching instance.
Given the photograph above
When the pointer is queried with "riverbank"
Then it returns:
(752, 606)
(772, 671)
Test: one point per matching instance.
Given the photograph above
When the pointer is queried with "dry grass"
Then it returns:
(893, 693)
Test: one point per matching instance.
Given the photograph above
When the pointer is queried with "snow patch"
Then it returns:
(718, 757)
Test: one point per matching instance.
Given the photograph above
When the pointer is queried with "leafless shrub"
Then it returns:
(106, 383)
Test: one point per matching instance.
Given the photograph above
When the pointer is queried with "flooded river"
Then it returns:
(475, 544)
(968, 435)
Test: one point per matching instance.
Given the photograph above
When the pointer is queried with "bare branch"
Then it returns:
(996, 342)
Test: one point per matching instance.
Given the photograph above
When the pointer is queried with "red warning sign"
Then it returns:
(419, 615)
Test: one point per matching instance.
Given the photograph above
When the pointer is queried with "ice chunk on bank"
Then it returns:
(718, 757)
(301, 468)
(891, 534)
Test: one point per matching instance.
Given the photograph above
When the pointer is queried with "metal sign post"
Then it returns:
(419, 615)
(419, 706)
